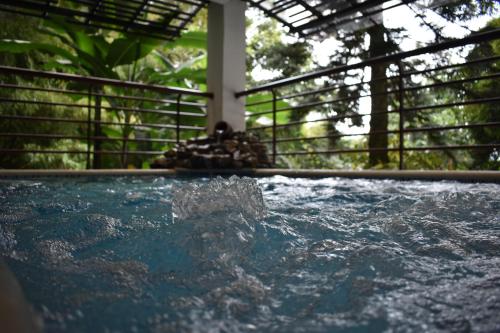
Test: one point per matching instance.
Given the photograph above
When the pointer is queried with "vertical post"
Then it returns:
(178, 119)
(401, 115)
(97, 131)
(226, 63)
(274, 126)
(89, 122)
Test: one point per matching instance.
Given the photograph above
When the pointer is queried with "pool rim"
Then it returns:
(471, 176)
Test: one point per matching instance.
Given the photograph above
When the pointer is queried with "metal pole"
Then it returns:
(97, 130)
(89, 120)
(178, 119)
(274, 126)
(401, 115)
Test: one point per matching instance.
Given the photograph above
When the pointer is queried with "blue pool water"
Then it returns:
(324, 255)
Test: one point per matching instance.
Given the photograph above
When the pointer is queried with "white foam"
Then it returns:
(233, 195)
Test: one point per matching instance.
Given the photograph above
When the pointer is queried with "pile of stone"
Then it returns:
(224, 149)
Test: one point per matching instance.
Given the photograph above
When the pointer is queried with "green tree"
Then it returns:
(381, 41)
(104, 54)
(488, 112)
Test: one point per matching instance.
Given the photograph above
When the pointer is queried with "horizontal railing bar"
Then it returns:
(74, 92)
(117, 108)
(406, 130)
(438, 68)
(336, 151)
(322, 90)
(101, 152)
(450, 127)
(388, 92)
(295, 123)
(312, 138)
(101, 81)
(472, 39)
(447, 105)
(452, 82)
(332, 101)
(367, 150)
(335, 87)
(79, 121)
(453, 147)
(83, 138)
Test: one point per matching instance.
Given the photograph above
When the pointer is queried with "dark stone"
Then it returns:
(252, 138)
(200, 140)
(198, 161)
(183, 152)
(223, 161)
(223, 149)
(163, 163)
(172, 153)
(202, 149)
(244, 147)
(231, 145)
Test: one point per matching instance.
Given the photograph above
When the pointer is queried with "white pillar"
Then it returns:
(226, 62)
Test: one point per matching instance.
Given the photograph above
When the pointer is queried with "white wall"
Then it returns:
(226, 62)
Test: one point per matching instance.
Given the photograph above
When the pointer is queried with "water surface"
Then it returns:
(324, 255)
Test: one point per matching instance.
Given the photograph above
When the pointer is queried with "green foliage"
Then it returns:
(268, 51)
(86, 51)
(488, 112)
(57, 45)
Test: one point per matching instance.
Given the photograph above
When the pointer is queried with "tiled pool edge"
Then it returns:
(463, 176)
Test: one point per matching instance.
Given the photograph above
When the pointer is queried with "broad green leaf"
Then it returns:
(111, 132)
(200, 61)
(101, 46)
(124, 51)
(192, 39)
(84, 42)
(281, 117)
(197, 76)
(22, 46)
(164, 60)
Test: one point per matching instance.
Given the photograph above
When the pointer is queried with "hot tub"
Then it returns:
(110, 254)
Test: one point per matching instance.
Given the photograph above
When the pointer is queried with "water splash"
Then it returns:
(233, 195)
(220, 218)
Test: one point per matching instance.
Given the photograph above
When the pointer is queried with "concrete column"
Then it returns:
(226, 62)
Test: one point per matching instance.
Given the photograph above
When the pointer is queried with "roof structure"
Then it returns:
(163, 19)
(166, 19)
(315, 17)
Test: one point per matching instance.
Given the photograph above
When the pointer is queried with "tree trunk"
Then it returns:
(379, 103)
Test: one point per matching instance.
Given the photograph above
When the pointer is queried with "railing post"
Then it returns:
(178, 119)
(274, 126)
(97, 130)
(89, 124)
(401, 115)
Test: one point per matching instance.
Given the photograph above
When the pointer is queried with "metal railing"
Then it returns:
(98, 114)
(298, 96)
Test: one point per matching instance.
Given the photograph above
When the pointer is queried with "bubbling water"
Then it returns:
(220, 217)
(240, 195)
(320, 255)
